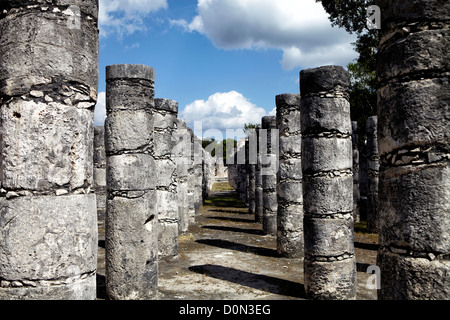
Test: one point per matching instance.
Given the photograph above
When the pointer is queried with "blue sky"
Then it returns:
(224, 61)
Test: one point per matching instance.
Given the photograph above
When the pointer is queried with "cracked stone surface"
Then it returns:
(227, 256)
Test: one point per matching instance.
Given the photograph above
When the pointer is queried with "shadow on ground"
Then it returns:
(226, 256)
(239, 247)
(249, 279)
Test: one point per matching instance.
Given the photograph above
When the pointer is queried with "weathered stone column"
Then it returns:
(329, 267)
(258, 183)
(131, 214)
(237, 172)
(289, 178)
(356, 192)
(100, 174)
(198, 174)
(363, 181)
(241, 169)
(182, 152)
(269, 168)
(209, 165)
(251, 171)
(414, 147)
(48, 91)
(164, 120)
(373, 167)
(192, 179)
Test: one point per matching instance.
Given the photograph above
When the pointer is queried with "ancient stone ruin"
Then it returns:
(269, 168)
(48, 90)
(131, 229)
(414, 147)
(289, 177)
(144, 178)
(327, 161)
(164, 120)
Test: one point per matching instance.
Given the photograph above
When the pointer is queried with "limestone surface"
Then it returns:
(289, 177)
(329, 265)
(414, 143)
(48, 90)
(131, 228)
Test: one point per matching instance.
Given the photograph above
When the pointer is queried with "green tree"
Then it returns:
(250, 126)
(352, 16)
(211, 145)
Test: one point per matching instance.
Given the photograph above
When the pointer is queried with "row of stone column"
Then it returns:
(304, 178)
(48, 221)
(154, 181)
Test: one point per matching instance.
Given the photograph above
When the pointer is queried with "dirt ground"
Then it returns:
(226, 256)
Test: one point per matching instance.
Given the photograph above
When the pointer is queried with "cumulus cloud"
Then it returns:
(300, 29)
(209, 118)
(100, 110)
(273, 113)
(221, 111)
(124, 17)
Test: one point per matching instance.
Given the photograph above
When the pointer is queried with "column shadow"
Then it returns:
(252, 280)
(224, 244)
(367, 246)
(101, 287)
(231, 219)
(234, 229)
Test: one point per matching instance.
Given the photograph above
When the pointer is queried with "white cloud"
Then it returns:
(195, 25)
(339, 54)
(125, 17)
(273, 113)
(100, 110)
(222, 111)
(300, 29)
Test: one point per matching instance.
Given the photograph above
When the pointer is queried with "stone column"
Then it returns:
(363, 181)
(209, 165)
(414, 147)
(356, 192)
(164, 118)
(242, 170)
(237, 172)
(48, 91)
(258, 183)
(289, 178)
(100, 173)
(131, 217)
(372, 174)
(329, 267)
(192, 179)
(182, 153)
(251, 171)
(198, 174)
(269, 168)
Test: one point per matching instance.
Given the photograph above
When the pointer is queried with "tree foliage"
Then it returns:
(352, 16)
(250, 126)
(211, 145)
